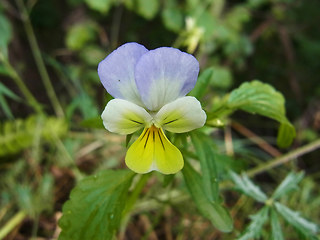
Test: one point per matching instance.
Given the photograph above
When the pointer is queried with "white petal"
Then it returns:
(181, 115)
(124, 117)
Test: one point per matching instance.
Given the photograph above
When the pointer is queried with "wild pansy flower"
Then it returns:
(150, 90)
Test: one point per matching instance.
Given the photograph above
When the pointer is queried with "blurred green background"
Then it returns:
(51, 99)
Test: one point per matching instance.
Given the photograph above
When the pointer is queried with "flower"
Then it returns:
(150, 90)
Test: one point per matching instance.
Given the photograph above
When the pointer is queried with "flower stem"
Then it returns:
(23, 88)
(135, 194)
(38, 59)
(11, 224)
(285, 158)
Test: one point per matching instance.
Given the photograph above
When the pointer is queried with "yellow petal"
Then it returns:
(153, 151)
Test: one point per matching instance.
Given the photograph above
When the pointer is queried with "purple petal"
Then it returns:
(116, 72)
(165, 74)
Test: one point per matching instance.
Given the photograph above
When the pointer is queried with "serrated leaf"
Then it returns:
(247, 187)
(218, 215)
(288, 184)
(207, 161)
(304, 226)
(253, 230)
(260, 98)
(95, 206)
(276, 232)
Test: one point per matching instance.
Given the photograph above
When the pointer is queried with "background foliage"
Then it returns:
(52, 139)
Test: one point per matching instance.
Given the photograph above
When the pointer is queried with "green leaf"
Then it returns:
(101, 6)
(95, 206)
(7, 92)
(80, 34)
(4, 91)
(276, 232)
(293, 218)
(201, 143)
(172, 18)
(95, 122)
(128, 138)
(221, 77)
(147, 8)
(92, 55)
(5, 33)
(19, 134)
(253, 231)
(257, 97)
(288, 184)
(217, 214)
(246, 186)
(202, 83)
(286, 134)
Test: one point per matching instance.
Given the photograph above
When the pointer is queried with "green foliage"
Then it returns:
(247, 187)
(217, 214)
(286, 134)
(304, 226)
(5, 33)
(19, 134)
(38, 200)
(4, 91)
(207, 157)
(202, 83)
(253, 230)
(102, 6)
(221, 34)
(259, 98)
(172, 17)
(92, 55)
(289, 184)
(80, 34)
(221, 77)
(146, 8)
(276, 232)
(95, 207)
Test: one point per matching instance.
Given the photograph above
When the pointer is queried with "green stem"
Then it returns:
(11, 224)
(136, 192)
(39, 60)
(23, 88)
(285, 158)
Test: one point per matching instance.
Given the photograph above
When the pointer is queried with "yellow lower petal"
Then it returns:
(153, 151)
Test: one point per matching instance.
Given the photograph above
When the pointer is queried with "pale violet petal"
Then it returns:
(165, 74)
(116, 72)
(124, 117)
(182, 115)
